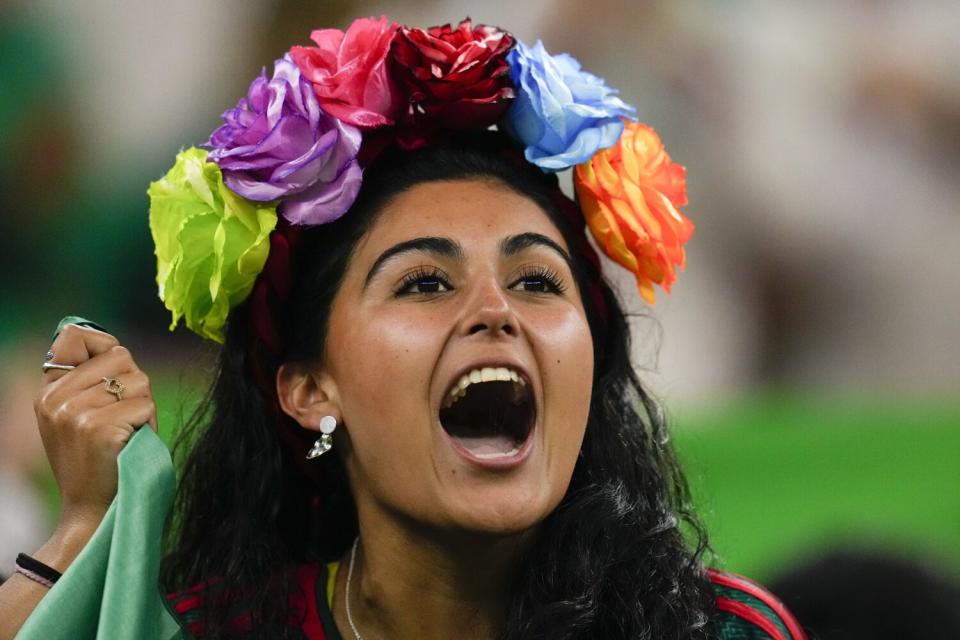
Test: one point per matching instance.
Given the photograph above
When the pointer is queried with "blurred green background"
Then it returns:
(780, 476)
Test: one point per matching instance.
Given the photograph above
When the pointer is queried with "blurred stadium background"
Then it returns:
(809, 357)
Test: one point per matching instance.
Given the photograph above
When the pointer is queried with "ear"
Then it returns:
(307, 394)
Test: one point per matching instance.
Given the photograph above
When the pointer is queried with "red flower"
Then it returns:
(455, 79)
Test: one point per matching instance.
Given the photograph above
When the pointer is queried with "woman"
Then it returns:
(424, 422)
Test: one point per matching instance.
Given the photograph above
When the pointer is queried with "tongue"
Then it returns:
(488, 446)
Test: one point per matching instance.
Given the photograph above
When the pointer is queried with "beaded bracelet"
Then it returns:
(36, 570)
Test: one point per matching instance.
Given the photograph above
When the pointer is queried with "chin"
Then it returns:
(501, 511)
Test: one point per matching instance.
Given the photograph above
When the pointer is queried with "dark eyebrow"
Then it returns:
(513, 245)
(440, 246)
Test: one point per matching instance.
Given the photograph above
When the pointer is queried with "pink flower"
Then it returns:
(350, 72)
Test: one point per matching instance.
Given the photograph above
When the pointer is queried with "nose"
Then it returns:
(488, 310)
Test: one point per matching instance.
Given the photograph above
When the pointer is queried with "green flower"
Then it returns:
(210, 243)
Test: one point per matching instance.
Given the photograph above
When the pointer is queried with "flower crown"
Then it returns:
(295, 147)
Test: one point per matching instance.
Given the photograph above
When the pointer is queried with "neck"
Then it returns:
(420, 584)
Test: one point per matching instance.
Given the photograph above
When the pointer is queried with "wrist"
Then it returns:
(80, 519)
(69, 538)
(37, 571)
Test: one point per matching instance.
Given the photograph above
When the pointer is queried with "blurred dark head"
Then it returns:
(869, 595)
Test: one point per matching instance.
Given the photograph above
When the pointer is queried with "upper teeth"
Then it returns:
(486, 374)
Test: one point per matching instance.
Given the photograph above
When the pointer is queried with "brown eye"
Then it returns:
(540, 280)
(423, 280)
(425, 285)
(538, 285)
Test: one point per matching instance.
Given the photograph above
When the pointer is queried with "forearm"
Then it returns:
(19, 595)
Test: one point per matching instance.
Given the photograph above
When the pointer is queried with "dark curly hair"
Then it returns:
(610, 562)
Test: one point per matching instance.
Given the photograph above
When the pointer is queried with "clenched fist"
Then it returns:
(86, 415)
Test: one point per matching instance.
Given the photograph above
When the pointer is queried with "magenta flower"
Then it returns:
(277, 143)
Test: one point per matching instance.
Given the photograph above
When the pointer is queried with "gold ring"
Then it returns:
(115, 387)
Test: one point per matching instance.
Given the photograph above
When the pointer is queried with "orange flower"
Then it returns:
(630, 195)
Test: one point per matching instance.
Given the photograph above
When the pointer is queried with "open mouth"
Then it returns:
(489, 413)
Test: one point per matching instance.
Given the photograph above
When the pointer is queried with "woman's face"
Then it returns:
(462, 360)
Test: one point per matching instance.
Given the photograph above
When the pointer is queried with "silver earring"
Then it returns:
(325, 442)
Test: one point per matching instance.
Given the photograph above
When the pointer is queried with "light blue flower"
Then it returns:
(562, 114)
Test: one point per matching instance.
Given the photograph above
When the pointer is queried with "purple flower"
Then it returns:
(278, 143)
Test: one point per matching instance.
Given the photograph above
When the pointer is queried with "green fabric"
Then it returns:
(77, 320)
(731, 627)
(111, 591)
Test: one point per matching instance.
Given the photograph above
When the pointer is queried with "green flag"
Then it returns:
(112, 590)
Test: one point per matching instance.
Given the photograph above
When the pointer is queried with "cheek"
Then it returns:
(565, 353)
(570, 341)
(384, 362)
(566, 347)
